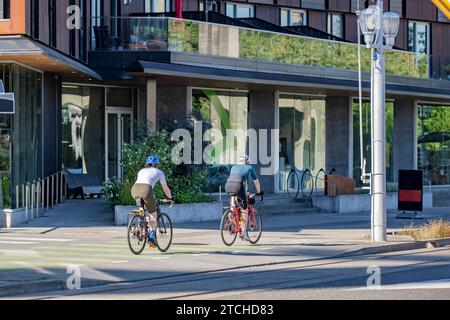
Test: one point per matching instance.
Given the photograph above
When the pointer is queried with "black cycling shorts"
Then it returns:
(239, 189)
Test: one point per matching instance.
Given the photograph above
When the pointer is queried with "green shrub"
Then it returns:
(185, 181)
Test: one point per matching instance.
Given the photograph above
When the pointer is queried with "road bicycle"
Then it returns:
(139, 227)
(230, 225)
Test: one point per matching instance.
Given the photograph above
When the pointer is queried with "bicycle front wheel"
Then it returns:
(137, 234)
(293, 184)
(164, 232)
(228, 229)
(254, 227)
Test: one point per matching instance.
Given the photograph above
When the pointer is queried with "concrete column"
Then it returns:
(338, 152)
(151, 104)
(263, 114)
(405, 136)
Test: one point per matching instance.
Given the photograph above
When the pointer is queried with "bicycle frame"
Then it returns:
(237, 215)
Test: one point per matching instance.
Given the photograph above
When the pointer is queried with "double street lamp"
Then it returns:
(379, 30)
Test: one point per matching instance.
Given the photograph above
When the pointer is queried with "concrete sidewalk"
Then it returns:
(35, 257)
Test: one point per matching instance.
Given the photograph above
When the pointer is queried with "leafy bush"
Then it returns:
(118, 192)
(185, 181)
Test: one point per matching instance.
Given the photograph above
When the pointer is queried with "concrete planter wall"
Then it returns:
(180, 213)
(10, 218)
(354, 203)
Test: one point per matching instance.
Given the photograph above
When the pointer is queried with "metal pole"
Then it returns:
(41, 199)
(379, 141)
(23, 195)
(27, 187)
(57, 187)
(17, 197)
(38, 197)
(48, 190)
(32, 201)
(53, 191)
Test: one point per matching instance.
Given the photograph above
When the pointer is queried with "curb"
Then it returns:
(421, 244)
(30, 287)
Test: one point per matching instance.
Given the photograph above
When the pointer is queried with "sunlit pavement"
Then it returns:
(80, 235)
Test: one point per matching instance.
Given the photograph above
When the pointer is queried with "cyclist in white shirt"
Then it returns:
(143, 189)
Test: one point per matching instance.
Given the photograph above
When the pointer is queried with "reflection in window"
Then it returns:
(336, 24)
(222, 111)
(4, 9)
(24, 145)
(434, 143)
(155, 6)
(83, 129)
(234, 10)
(293, 17)
(302, 134)
(418, 37)
(366, 125)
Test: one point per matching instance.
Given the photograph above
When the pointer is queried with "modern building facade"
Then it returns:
(83, 89)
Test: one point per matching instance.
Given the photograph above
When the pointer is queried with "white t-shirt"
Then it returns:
(151, 176)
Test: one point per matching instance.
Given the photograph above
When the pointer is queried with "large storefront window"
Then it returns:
(366, 126)
(21, 133)
(93, 128)
(225, 113)
(434, 143)
(83, 133)
(302, 134)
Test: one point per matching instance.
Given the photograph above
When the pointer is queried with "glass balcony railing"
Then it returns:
(169, 34)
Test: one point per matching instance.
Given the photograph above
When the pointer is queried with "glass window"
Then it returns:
(239, 11)
(418, 35)
(4, 9)
(284, 17)
(302, 135)
(20, 149)
(366, 125)
(119, 97)
(155, 6)
(222, 111)
(434, 143)
(336, 24)
(83, 141)
(293, 17)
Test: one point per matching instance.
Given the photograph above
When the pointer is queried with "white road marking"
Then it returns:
(17, 242)
(119, 262)
(433, 284)
(37, 239)
(19, 253)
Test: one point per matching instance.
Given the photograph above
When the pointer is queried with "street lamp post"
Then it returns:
(379, 32)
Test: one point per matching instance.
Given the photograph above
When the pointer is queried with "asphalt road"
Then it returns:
(295, 259)
(420, 274)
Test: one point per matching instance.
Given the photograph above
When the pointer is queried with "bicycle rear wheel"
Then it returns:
(307, 184)
(254, 227)
(228, 229)
(137, 234)
(164, 232)
(293, 184)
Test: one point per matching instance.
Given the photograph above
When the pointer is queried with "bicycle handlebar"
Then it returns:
(170, 202)
(261, 194)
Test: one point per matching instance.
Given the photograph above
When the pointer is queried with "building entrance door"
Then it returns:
(118, 131)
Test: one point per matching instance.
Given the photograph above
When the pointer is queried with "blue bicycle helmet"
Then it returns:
(152, 160)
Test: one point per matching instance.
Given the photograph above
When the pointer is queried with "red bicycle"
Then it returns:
(230, 225)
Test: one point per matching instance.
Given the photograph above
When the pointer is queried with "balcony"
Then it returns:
(140, 34)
